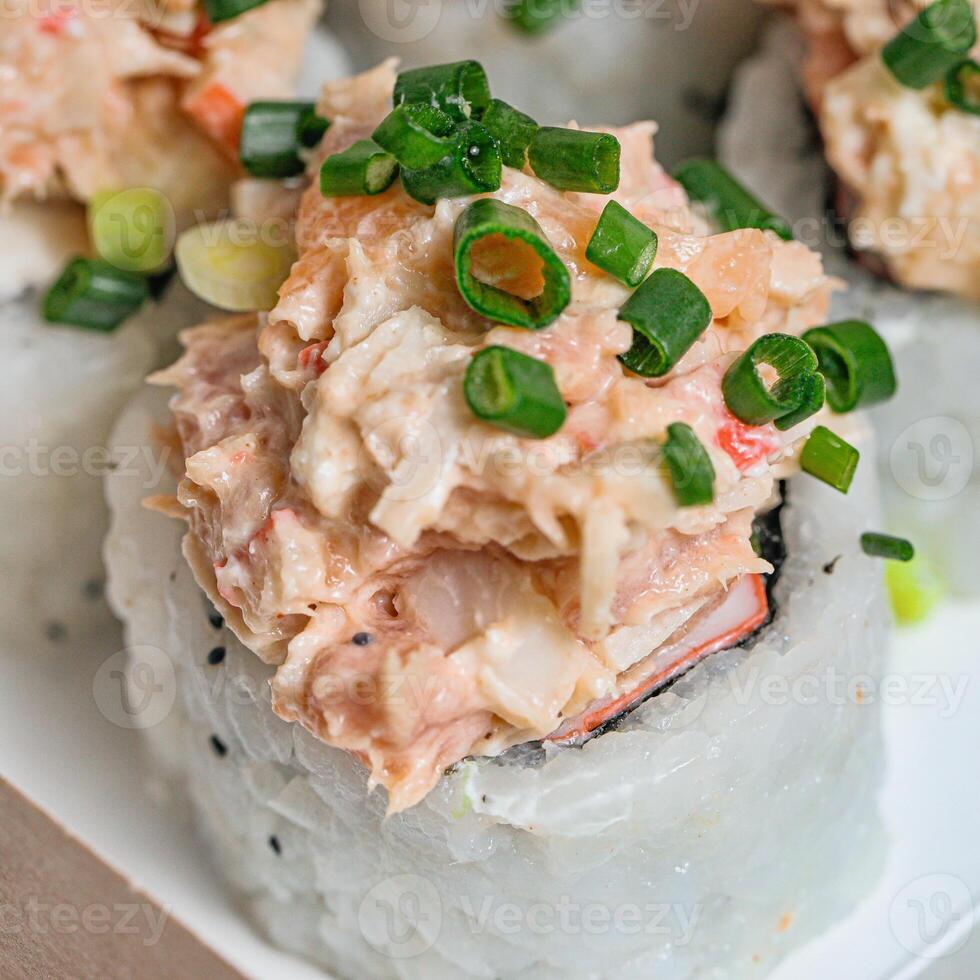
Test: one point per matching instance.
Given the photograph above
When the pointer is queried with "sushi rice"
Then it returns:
(723, 822)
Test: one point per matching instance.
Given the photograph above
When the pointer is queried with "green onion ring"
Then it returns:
(688, 465)
(829, 458)
(856, 362)
(931, 44)
(272, 135)
(231, 265)
(729, 203)
(512, 129)
(472, 167)
(748, 397)
(514, 392)
(667, 313)
(810, 392)
(416, 135)
(887, 546)
(491, 217)
(575, 160)
(363, 168)
(460, 88)
(95, 295)
(134, 229)
(622, 245)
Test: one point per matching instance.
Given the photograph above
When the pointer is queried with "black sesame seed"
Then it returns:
(55, 631)
(275, 845)
(93, 588)
(216, 619)
(216, 656)
(362, 639)
(219, 747)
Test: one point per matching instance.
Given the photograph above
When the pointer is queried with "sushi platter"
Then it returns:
(490, 493)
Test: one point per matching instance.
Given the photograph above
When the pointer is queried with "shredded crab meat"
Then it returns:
(337, 485)
(120, 94)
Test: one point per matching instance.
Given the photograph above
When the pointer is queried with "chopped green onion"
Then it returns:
(963, 87)
(134, 230)
(273, 133)
(363, 168)
(914, 587)
(535, 16)
(93, 294)
(486, 219)
(229, 265)
(856, 363)
(829, 458)
(219, 10)
(931, 44)
(472, 167)
(512, 130)
(886, 546)
(575, 160)
(689, 466)
(460, 89)
(514, 392)
(747, 395)
(812, 392)
(729, 203)
(622, 245)
(416, 135)
(667, 313)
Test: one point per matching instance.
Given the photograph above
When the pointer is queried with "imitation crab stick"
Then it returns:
(743, 611)
(219, 113)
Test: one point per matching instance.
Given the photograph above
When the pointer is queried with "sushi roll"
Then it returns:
(929, 431)
(574, 55)
(894, 88)
(104, 116)
(147, 95)
(510, 640)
